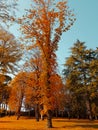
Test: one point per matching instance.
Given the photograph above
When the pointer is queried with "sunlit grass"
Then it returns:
(10, 123)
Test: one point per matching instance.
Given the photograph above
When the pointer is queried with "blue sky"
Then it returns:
(85, 27)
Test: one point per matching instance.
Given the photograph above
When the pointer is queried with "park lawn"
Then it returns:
(10, 123)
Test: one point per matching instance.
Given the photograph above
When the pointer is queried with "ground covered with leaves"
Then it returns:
(10, 123)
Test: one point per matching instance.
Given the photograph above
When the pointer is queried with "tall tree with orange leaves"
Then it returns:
(44, 24)
(35, 98)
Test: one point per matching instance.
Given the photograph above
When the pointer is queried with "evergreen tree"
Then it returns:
(81, 70)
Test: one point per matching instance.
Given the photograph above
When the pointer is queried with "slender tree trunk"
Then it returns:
(96, 117)
(62, 113)
(89, 113)
(49, 119)
(78, 114)
(37, 112)
(68, 114)
(56, 112)
(42, 117)
(78, 117)
(19, 107)
(6, 108)
(18, 113)
(42, 114)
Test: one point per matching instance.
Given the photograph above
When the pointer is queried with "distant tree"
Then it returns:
(46, 22)
(20, 85)
(81, 71)
(4, 93)
(10, 52)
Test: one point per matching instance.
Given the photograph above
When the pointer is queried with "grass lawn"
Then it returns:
(10, 123)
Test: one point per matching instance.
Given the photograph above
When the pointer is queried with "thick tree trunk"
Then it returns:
(37, 112)
(49, 119)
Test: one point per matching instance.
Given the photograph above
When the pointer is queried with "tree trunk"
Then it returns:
(89, 113)
(6, 108)
(42, 112)
(56, 112)
(37, 112)
(96, 117)
(18, 112)
(68, 114)
(49, 119)
(18, 116)
(42, 117)
(19, 107)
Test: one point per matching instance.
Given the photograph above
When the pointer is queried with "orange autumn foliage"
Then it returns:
(44, 25)
(20, 85)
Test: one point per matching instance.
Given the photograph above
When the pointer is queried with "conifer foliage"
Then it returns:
(81, 72)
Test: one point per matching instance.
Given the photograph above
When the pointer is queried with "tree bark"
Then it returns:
(18, 111)
(37, 112)
(49, 119)
(18, 116)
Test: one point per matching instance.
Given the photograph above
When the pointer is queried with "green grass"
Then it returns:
(10, 123)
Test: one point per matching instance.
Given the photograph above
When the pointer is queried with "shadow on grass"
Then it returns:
(76, 126)
(75, 120)
(78, 123)
(83, 121)
(6, 121)
(82, 126)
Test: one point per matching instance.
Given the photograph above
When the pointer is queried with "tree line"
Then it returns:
(81, 75)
